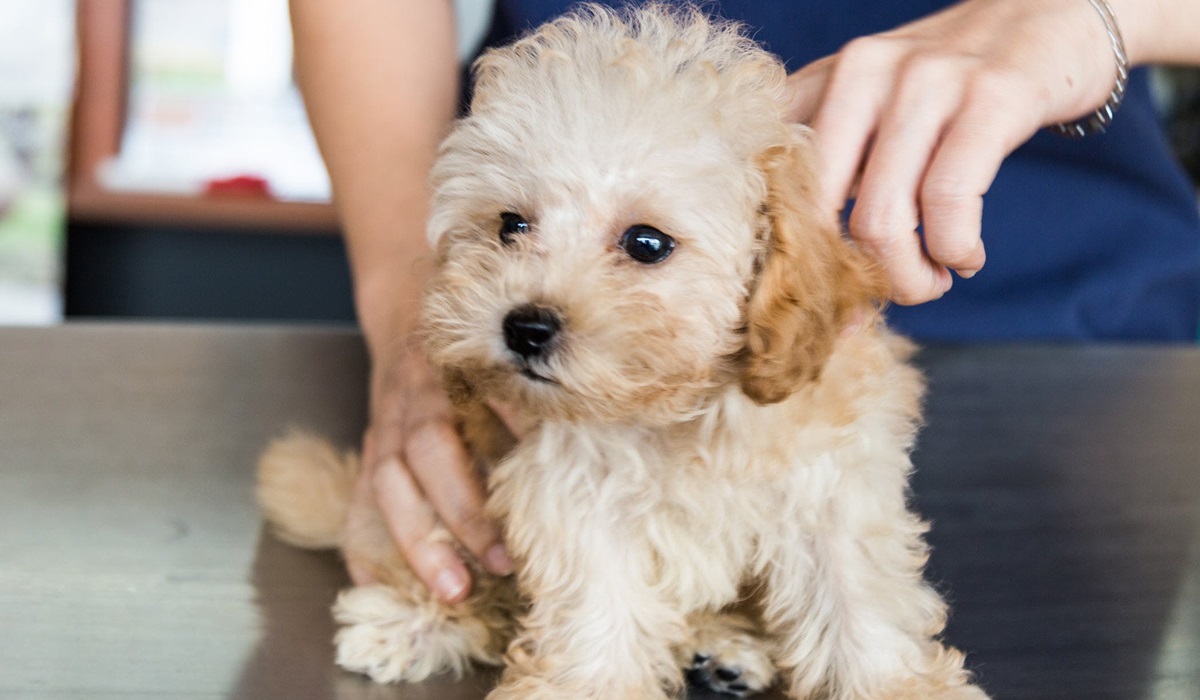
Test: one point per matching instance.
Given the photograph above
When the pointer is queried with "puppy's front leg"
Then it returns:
(597, 628)
(854, 617)
(571, 654)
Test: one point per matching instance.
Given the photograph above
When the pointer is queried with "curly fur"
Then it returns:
(734, 418)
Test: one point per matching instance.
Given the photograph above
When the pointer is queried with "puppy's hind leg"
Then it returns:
(726, 652)
(395, 630)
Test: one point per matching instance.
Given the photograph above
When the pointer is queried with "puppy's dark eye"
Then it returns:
(647, 244)
(512, 225)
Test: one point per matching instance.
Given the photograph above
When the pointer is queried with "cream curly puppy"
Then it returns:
(628, 250)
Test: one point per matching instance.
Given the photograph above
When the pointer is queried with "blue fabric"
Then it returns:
(1086, 240)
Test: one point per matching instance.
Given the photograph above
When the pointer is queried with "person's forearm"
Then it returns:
(1159, 31)
(380, 81)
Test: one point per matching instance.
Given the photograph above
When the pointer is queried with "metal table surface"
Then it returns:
(1063, 484)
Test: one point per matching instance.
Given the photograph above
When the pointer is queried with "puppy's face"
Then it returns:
(603, 218)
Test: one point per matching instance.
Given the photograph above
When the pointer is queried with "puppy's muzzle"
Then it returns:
(530, 331)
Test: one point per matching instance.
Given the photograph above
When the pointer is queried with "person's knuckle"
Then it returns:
(385, 480)
(867, 52)
(469, 522)
(860, 58)
(879, 223)
(429, 433)
(925, 68)
(944, 190)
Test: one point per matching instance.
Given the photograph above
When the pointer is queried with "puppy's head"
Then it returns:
(625, 224)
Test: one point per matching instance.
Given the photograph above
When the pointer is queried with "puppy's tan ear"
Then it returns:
(812, 283)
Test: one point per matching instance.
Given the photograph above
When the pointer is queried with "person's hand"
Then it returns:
(417, 471)
(914, 123)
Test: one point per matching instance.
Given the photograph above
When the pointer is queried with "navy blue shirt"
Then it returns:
(1091, 239)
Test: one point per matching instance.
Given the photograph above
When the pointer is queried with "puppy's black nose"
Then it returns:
(530, 330)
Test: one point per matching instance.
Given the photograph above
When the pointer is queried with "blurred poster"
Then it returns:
(37, 70)
(211, 97)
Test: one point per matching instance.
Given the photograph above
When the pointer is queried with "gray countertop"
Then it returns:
(1063, 484)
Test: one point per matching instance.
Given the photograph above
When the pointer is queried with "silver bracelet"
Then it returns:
(1097, 122)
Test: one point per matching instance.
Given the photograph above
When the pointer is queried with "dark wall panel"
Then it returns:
(182, 273)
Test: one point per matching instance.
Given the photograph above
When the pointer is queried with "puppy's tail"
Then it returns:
(304, 490)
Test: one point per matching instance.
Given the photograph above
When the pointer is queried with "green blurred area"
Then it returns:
(31, 235)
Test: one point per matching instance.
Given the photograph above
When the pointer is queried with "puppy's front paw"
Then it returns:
(726, 654)
(394, 640)
(535, 688)
(729, 677)
(933, 691)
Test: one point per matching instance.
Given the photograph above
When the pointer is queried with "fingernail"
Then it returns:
(450, 585)
(966, 274)
(497, 561)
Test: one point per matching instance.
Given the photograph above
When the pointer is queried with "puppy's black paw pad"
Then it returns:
(708, 673)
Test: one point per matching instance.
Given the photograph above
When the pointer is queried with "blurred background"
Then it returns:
(155, 162)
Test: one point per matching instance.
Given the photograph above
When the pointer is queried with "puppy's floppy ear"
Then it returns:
(812, 283)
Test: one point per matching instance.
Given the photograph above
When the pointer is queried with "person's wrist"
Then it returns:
(1098, 119)
(387, 310)
(1136, 18)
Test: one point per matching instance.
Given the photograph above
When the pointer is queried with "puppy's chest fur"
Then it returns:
(698, 507)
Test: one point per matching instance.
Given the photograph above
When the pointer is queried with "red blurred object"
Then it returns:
(239, 186)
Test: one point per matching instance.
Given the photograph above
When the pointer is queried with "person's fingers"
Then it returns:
(886, 214)
(423, 481)
(844, 124)
(435, 453)
(963, 168)
(918, 149)
(805, 88)
(913, 277)
(413, 525)
(370, 452)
